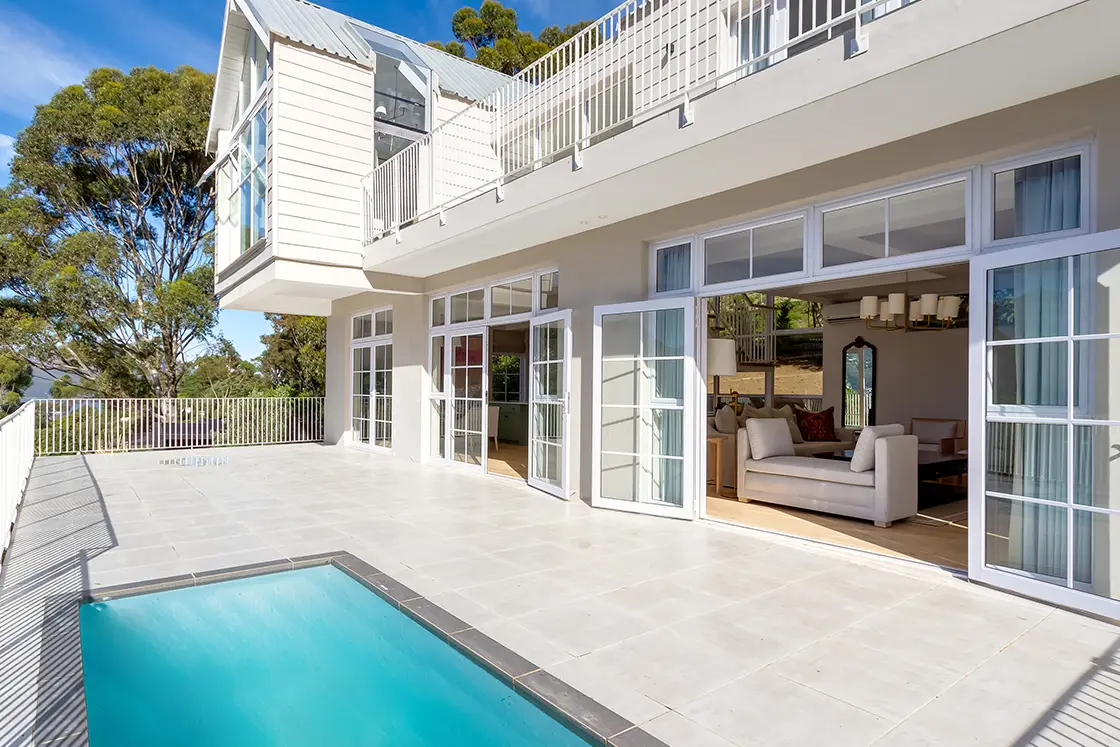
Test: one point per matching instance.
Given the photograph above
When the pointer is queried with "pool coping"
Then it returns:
(583, 715)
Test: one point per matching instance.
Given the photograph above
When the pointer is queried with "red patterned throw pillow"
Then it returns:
(815, 426)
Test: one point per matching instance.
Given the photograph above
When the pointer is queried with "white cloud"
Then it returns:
(7, 146)
(36, 63)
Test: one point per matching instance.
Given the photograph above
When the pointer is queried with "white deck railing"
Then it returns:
(68, 426)
(641, 59)
(17, 452)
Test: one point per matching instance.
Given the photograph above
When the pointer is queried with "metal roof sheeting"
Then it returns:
(330, 31)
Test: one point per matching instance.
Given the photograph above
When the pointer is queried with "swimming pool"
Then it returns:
(300, 657)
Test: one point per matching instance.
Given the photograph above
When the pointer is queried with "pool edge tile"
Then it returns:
(434, 617)
(572, 706)
(319, 558)
(243, 571)
(136, 588)
(494, 656)
(356, 564)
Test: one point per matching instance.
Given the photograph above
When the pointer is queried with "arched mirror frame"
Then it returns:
(860, 344)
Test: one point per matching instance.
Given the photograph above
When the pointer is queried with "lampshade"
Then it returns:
(721, 357)
(929, 304)
(941, 308)
(952, 307)
(897, 303)
(915, 311)
(885, 311)
(869, 307)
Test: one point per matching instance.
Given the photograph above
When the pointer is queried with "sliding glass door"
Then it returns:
(1044, 473)
(645, 404)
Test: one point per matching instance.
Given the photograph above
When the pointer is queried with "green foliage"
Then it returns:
(295, 355)
(105, 242)
(495, 41)
(15, 378)
(65, 387)
(222, 373)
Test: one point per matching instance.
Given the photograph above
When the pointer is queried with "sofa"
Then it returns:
(883, 493)
(846, 439)
(940, 435)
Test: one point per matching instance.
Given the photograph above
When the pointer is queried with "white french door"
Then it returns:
(467, 422)
(1044, 438)
(645, 408)
(550, 358)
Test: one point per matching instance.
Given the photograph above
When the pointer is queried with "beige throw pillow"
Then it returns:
(863, 457)
(787, 412)
(725, 420)
(769, 437)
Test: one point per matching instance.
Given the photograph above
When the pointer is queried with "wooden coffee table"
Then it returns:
(717, 461)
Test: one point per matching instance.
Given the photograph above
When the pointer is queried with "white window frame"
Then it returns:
(371, 342)
(655, 246)
(534, 300)
(767, 281)
(902, 261)
(522, 391)
(487, 319)
(537, 275)
(1085, 149)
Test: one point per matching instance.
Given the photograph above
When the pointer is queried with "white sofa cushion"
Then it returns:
(726, 421)
(787, 413)
(863, 457)
(769, 437)
(811, 468)
(932, 431)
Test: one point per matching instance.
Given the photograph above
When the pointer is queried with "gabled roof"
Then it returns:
(330, 31)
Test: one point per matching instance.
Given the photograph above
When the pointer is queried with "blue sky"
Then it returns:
(47, 44)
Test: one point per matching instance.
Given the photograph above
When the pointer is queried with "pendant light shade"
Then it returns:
(869, 307)
(897, 303)
(915, 311)
(929, 304)
(952, 307)
(885, 311)
(721, 357)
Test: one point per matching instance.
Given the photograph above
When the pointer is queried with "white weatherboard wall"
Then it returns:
(322, 147)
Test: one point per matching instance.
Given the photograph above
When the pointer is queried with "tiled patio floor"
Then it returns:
(704, 635)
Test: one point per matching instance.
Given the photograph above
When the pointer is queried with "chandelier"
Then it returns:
(927, 311)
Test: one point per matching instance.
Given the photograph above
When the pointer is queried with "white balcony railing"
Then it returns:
(68, 426)
(641, 59)
(17, 452)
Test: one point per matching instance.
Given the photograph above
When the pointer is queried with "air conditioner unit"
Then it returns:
(842, 312)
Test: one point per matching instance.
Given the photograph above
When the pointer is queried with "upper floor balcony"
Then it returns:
(664, 101)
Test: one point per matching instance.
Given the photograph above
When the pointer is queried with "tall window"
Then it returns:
(246, 171)
(505, 377)
(371, 408)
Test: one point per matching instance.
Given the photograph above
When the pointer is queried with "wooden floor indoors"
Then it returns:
(936, 535)
(508, 460)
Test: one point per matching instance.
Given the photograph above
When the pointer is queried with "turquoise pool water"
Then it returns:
(308, 657)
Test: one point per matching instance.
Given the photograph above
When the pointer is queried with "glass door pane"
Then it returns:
(645, 407)
(548, 395)
(468, 397)
(382, 395)
(1051, 430)
(361, 381)
(437, 426)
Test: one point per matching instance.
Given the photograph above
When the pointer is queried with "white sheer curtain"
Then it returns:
(1048, 196)
(674, 268)
(1037, 534)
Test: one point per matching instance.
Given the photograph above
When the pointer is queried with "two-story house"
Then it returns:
(524, 275)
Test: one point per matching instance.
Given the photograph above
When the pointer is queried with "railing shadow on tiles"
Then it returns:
(640, 60)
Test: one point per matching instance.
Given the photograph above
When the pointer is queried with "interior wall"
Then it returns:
(920, 374)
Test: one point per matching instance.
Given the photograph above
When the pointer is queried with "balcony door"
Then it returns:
(549, 387)
(1044, 472)
(645, 408)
